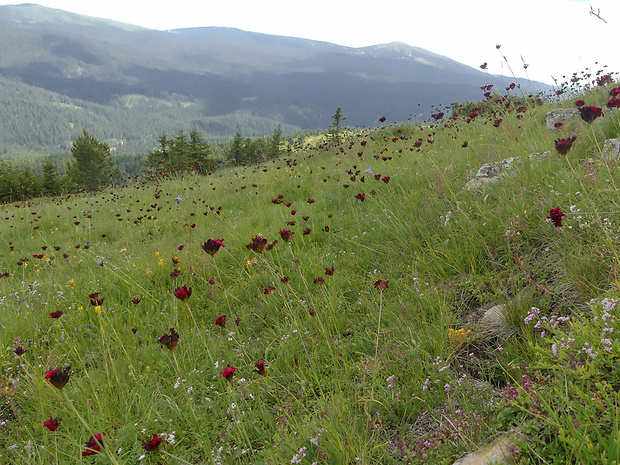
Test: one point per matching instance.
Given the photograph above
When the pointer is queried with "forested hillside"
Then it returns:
(61, 73)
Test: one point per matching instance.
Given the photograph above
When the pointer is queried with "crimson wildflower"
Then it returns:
(52, 423)
(212, 281)
(326, 229)
(382, 119)
(562, 146)
(360, 197)
(307, 231)
(555, 215)
(58, 378)
(182, 293)
(221, 321)
(319, 281)
(228, 373)
(237, 321)
(310, 200)
(136, 300)
(580, 103)
(152, 444)
(381, 285)
(590, 113)
(270, 246)
(465, 144)
(134, 330)
(613, 102)
(330, 271)
(56, 314)
(286, 235)
(268, 290)
(19, 351)
(95, 301)
(258, 244)
(362, 143)
(615, 91)
(285, 280)
(170, 340)
(212, 246)
(385, 179)
(260, 368)
(93, 446)
(559, 124)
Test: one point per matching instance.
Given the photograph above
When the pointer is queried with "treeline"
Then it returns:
(91, 165)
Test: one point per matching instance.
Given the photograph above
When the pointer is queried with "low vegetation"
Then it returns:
(327, 306)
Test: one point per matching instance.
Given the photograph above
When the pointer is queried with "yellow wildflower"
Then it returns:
(156, 254)
(71, 283)
(160, 263)
(80, 308)
(149, 272)
(97, 309)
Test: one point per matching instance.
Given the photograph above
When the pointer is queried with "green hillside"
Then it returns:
(330, 307)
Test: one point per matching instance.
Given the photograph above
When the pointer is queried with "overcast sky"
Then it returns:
(554, 37)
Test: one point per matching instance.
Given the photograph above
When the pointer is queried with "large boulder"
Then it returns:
(560, 115)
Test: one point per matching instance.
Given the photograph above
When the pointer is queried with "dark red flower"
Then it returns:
(228, 373)
(293, 212)
(465, 144)
(212, 281)
(271, 246)
(615, 91)
(285, 280)
(590, 113)
(310, 200)
(170, 340)
(57, 377)
(182, 293)
(362, 143)
(326, 229)
(268, 290)
(330, 271)
(52, 423)
(613, 102)
(258, 244)
(381, 285)
(19, 351)
(95, 301)
(385, 179)
(562, 146)
(136, 300)
(212, 246)
(382, 119)
(181, 247)
(319, 281)
(286, 235)
(555, 215)
(221, 321)
(260, 368)
(93, 446)
(56, 314)
(559, 124)
(134, 330)
(307, 231)
(360, 197)
(152, 444)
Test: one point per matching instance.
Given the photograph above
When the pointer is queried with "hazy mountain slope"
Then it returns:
(192, 77)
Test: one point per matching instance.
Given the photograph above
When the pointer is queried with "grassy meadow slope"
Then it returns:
(367, 320)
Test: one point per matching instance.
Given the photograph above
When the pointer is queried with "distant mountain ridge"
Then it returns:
(61, 72)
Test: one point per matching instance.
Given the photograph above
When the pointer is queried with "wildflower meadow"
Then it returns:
(327, 307)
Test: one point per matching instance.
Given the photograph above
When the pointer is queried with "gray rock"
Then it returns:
(490, 172)
(498, 452)
(611, 150)
(494, 321)
(560, 115)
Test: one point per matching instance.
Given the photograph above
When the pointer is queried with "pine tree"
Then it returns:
(92, 166)
(336, 127)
